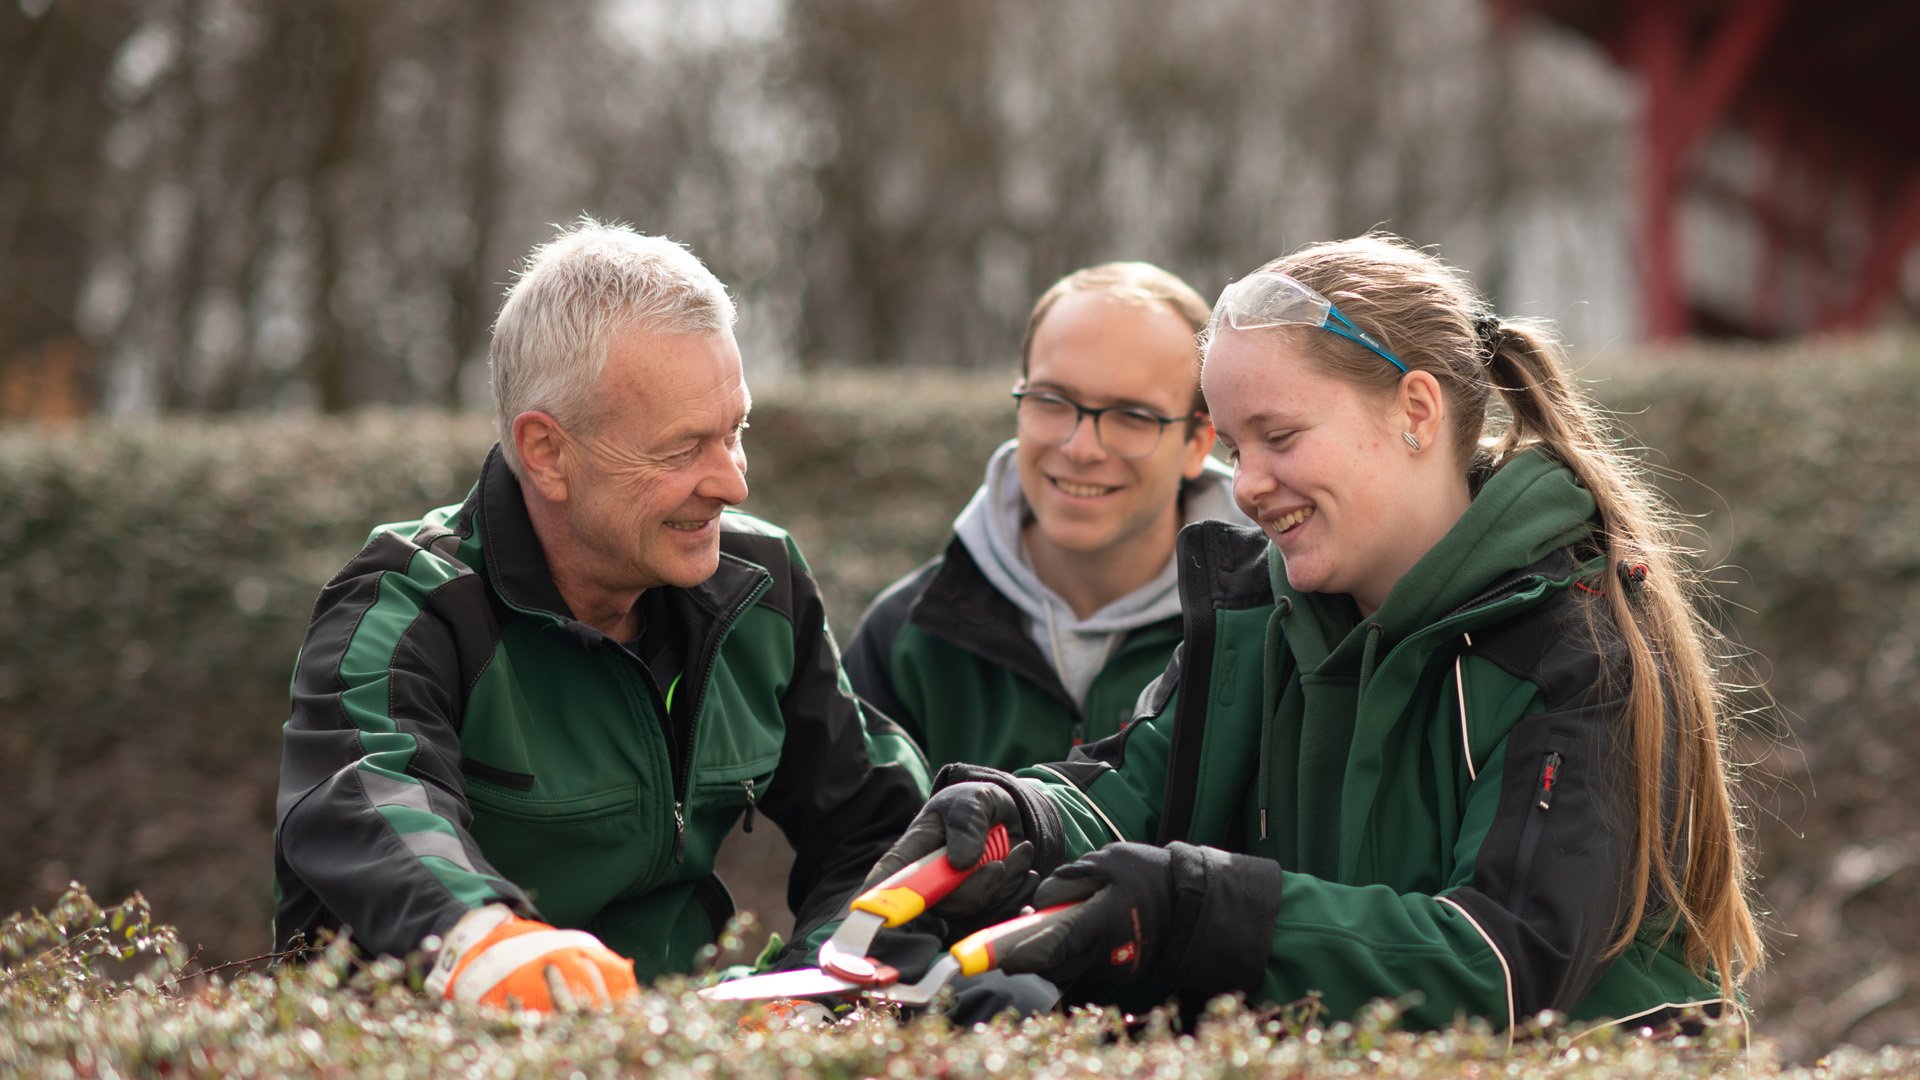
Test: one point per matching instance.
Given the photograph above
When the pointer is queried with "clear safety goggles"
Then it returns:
(1268, 299)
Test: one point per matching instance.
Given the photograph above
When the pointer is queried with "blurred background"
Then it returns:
(250, 252)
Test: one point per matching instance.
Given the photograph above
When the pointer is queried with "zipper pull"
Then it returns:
(747, 824)
(679, 835)
(1079, 732)
(1548, 774)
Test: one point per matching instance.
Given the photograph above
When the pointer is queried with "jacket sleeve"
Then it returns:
(372, 821)
(1533, 901)
(869, 657)
(849, 780)
(1113, 789)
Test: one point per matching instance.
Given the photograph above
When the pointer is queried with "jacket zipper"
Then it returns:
(1551, 767)
(746, 824)
(1548, 774)
(683, 775)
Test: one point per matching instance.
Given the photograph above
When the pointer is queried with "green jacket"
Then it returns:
(458, 738)
(1444, 785)
(948, 656)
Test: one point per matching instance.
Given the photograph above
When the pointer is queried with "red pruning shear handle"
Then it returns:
(845, 966)
(902, 897)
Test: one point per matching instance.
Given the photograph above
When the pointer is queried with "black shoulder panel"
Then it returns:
(1565, 646)
(868, 658)
(769, 552)
(1236, 560)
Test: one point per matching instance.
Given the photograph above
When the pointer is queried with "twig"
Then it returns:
(283, 954)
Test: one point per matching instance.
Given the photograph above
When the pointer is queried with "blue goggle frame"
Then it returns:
(1268, 299)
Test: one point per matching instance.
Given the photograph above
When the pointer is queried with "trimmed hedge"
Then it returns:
(65, 1013)
(155, 581)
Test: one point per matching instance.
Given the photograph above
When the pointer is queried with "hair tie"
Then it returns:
(1491, 334)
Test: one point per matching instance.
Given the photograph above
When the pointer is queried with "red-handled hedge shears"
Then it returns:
(845, 967)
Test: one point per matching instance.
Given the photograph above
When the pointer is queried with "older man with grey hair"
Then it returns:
(523, 725)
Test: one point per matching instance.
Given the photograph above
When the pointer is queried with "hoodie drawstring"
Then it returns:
(1370, 655)
(1460, 695)
(1270, 702)
(1053, 636)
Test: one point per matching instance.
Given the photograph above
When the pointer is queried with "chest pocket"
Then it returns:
(741, 729)
(569, 802)
(572, 854)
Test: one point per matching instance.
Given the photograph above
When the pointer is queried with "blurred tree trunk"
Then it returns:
(52, 114)
(1346, 120)
(268, 102)
(180, 278)
(1499, 122)
(342, 74)
(471, 286)
(912, 188)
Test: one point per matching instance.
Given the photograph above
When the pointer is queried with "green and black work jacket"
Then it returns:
(948, 656)
(1445, 784)
(458, 738)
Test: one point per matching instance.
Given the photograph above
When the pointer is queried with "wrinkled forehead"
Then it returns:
(665, 377)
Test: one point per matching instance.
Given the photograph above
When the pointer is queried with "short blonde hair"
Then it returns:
(1131, 282)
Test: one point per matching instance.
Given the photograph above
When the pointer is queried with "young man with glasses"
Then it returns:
(1054, 604)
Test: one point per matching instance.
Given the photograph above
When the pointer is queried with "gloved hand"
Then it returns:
(912, 950)
(493, 957)
(1121, 925)
(1191, 917)
(958, 818)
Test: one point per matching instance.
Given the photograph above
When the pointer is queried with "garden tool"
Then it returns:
(845, 966)
(977, 952)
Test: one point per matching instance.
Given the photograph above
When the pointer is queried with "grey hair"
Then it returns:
(577, 291)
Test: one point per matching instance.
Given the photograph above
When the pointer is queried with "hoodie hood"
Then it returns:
(989, 526)
(1531, 507)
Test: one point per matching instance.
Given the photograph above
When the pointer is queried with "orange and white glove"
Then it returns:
(493, 957)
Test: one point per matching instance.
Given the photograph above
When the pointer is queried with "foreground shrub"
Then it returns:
(63, 1015)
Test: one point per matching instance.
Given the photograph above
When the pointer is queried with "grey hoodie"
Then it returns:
(990, 525)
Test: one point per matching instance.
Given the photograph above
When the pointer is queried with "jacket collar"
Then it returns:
(516, 563)
(961, 605)
(1522, 515)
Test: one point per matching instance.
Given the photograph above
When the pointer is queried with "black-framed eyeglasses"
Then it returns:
(1127, 431)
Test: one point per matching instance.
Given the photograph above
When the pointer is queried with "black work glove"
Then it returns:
(1191, 917)
(912, 950)
(958, 818)
(979, 998)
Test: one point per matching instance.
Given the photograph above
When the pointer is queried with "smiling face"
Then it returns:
(1322, 467)
(1086, 500)
(659, 461)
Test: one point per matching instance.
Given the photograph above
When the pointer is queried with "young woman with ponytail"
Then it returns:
(1445, 728)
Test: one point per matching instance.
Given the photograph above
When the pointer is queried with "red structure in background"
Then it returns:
(1828, 94)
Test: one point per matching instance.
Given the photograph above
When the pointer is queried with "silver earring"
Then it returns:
(1412, 439)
